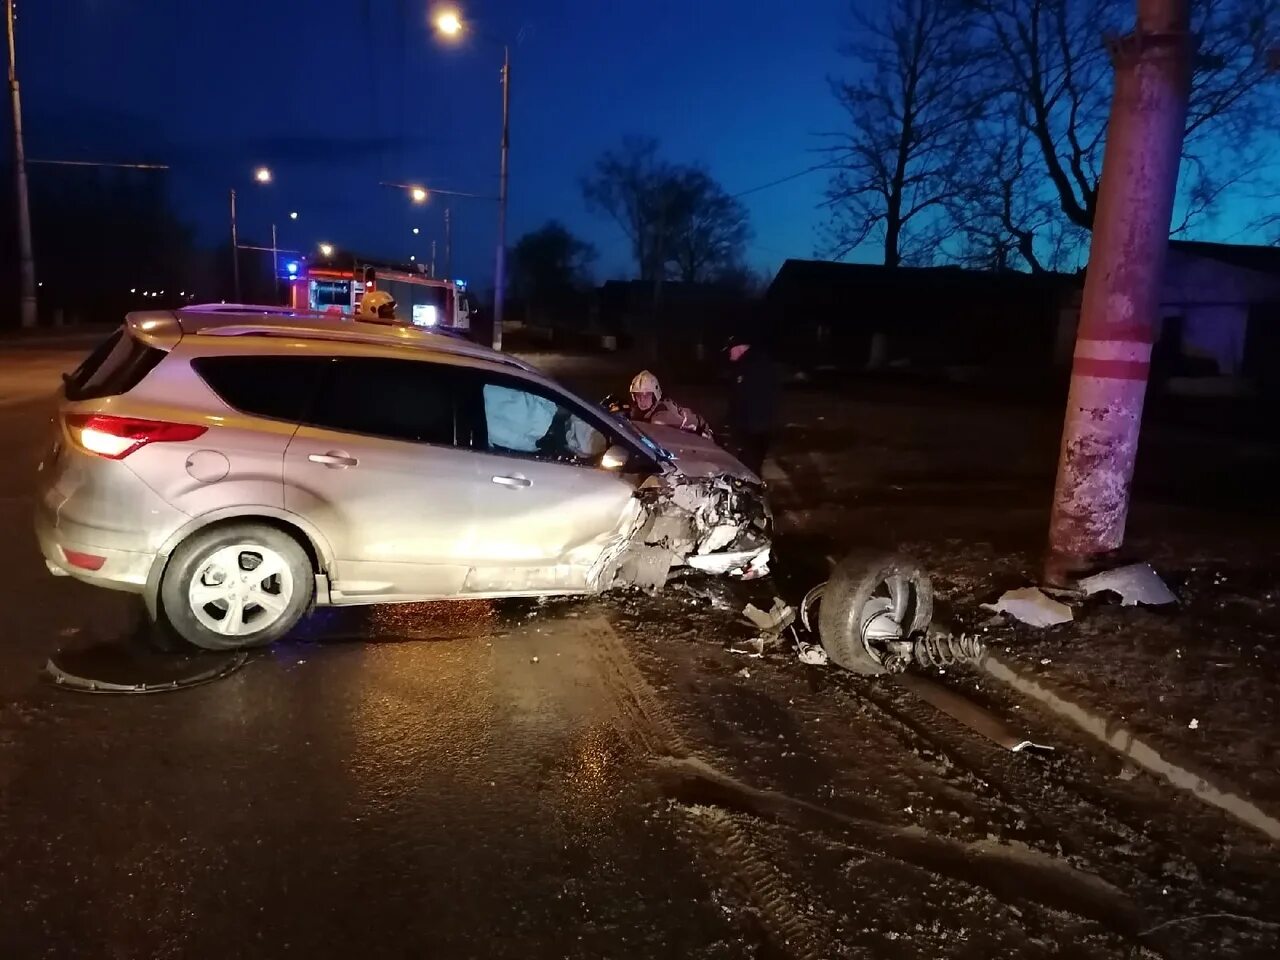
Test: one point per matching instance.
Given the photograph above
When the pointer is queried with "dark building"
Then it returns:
(868, 316)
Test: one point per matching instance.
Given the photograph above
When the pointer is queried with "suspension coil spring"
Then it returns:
(944, 649)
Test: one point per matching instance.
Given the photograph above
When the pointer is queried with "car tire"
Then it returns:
(244, 609)
(854, 583)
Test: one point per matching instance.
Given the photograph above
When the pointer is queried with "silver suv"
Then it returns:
(238, 465)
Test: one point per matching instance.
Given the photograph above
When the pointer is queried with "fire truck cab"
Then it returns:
(422, 300)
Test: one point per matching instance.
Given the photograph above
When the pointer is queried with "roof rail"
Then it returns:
(249, 308)
(371, 334)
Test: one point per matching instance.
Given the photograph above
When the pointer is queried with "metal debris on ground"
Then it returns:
(1032, 606)
(812, 654)
(775, 620)
(134, 666)
(1134, 584)
(751, 648)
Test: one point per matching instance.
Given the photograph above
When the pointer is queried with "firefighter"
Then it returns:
(377, 306)
(648, 405)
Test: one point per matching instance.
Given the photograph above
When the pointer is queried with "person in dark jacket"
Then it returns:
(754, 394)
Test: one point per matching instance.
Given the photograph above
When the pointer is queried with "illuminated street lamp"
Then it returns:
(418, 194)
(293, 215)
(262, 175)
(449, 23)
(326, 250)
(416, 231)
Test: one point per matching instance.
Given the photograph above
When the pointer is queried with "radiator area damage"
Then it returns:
(719, 525)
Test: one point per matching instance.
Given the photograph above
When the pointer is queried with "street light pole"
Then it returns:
(500, 261)
(448, 244)
(275, 266)
(235, 247)
(26, 259)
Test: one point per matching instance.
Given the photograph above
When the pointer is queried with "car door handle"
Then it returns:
(513, 481)
(333, 459)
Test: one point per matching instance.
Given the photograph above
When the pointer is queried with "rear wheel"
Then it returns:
(868, 602)
(238, 586)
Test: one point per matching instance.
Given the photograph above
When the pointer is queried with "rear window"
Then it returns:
(277, 387)
(113, 367)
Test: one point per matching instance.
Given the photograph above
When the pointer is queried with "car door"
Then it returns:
(547, 512)
(377, 470)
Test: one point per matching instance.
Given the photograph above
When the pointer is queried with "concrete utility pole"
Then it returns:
(26, 259)
(1122, 289)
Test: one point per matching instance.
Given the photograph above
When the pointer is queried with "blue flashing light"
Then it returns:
(291, 268)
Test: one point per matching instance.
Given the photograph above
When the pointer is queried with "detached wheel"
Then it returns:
(871, 600)
(237, 586)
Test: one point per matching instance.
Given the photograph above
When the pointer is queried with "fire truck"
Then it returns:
(422, 300)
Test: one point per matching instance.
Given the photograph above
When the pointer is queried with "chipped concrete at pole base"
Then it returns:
(1097, 463)
(1123, 741)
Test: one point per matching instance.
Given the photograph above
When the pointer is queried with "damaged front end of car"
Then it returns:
(719, 525)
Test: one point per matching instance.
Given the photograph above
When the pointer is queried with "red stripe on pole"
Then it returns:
(1110, 369)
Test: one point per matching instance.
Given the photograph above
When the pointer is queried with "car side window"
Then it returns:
(394, 399)
(266, 386)
(505, 416)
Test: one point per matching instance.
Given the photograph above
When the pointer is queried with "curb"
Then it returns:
(1125, 743)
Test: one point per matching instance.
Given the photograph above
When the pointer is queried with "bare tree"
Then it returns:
(709, 228)
(1049, 69)
(674, 216)
(1002, 219)
(632, 185)
(911, 111)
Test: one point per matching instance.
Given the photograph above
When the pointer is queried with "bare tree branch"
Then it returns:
(911, 112)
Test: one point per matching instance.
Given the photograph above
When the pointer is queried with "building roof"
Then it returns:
(1249, 256)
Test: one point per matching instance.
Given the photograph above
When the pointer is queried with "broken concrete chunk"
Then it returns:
(1134, 584)
(1032, 606)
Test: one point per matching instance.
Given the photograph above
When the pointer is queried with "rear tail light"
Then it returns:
(117, 437)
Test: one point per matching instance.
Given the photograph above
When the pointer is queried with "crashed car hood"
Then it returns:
(695, 455)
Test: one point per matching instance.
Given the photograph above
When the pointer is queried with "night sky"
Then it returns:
(336, 95)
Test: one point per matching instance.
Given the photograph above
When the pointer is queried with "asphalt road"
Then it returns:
(579, 779)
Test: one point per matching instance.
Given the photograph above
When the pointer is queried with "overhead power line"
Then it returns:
(787, 179)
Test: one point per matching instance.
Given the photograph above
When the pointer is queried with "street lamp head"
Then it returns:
(293, 215)
(262, 175)
(416, 231)
(326, 250)
(418, 194)
(449, 22)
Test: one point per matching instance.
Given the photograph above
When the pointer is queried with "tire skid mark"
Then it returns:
(723, 844)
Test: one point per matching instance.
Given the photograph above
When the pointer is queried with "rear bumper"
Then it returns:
(119, 570)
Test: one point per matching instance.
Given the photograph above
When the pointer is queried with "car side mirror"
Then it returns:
(615, 458)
